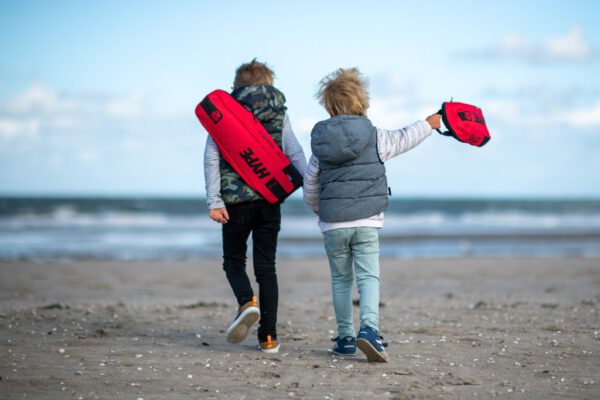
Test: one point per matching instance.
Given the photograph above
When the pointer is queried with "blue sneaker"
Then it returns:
(345, 346)
(370, 343)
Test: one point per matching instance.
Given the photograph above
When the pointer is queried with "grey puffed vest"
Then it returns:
(352, 177)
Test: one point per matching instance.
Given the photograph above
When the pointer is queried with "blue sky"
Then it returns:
(98, 97)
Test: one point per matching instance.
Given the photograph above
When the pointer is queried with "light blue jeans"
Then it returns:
(358, 246)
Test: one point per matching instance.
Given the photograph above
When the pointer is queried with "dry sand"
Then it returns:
(460, 328)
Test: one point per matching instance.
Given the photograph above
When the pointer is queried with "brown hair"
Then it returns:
(344, 92)
(252, 73)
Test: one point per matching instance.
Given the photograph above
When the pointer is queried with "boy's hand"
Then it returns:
(434, 121)
(219, 215)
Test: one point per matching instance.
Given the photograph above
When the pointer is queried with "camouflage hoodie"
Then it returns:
(268, 106)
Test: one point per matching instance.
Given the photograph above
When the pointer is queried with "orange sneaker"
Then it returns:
(270, 346)
(247, 315)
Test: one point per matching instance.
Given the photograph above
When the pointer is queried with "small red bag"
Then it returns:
(465, 123)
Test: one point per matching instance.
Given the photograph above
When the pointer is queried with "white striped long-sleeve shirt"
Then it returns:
(390, 143)
(212, 170)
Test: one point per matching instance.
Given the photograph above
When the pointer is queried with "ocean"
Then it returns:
(59, 229)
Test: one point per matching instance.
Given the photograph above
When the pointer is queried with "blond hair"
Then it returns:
(344, 92)
(253, 73)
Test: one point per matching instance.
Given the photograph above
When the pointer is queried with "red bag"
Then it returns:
(465, 123)
(247, 146)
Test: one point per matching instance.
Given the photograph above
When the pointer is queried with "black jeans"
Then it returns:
(263, 220)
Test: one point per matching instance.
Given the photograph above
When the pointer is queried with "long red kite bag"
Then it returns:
(465, 123)
(247, 146)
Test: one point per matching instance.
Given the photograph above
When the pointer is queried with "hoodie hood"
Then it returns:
(264, 101)
(341, 139)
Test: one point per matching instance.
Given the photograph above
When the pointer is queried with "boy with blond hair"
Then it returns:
(346, 186)
(242, 211)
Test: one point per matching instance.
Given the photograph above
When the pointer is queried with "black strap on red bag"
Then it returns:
(464, 122)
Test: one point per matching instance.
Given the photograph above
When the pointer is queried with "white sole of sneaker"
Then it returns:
(270, 351)
(239, 328)
(343, 354)
(373, 355)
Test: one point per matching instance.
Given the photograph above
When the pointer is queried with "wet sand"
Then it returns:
(457, 328)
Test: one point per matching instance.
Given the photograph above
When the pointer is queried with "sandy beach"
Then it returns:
(457, 328)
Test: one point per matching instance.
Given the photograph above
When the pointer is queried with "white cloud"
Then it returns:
(571, 46)
(125, 107)
(540, 106)
(40, 108)
(12, 127)
(515, 112)
(40, 99)
(63, 121)
(585, 117)
(390, 112)
(396, 102)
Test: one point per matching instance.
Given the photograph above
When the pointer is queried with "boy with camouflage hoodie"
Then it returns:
(242, 211)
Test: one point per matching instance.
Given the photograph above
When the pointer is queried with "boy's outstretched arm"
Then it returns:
(391, 143)
(312, 186)
(212, 179)
(292, 148)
